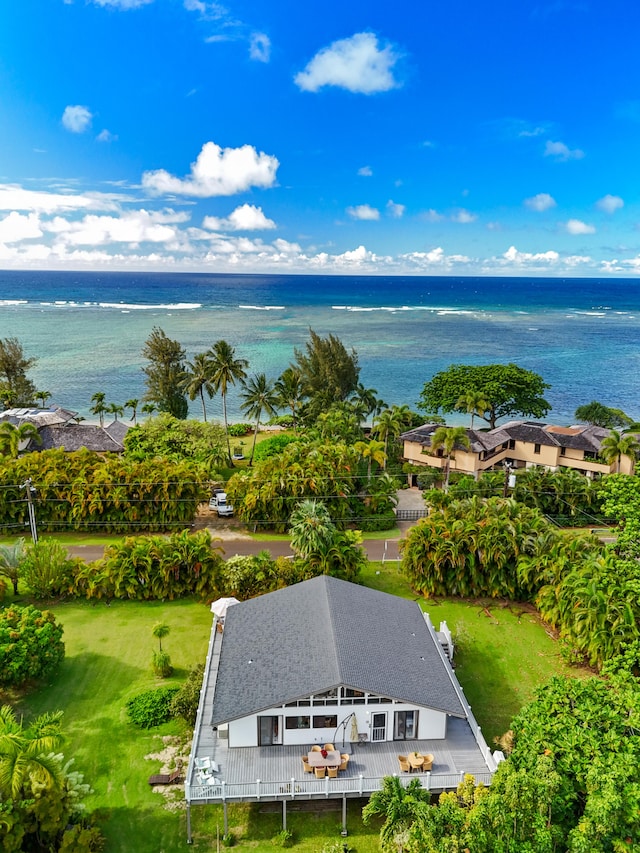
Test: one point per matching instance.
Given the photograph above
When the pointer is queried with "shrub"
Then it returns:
(284, 838)
(162, 664)
(185, 703)
(151, 708)
(272, 446)
(46, 568)
(30, 644)
(237, 430)
(82, 839)
(370, 523)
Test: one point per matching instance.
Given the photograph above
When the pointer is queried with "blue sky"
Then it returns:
(450, 138)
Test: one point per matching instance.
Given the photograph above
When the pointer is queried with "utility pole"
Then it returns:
(30, 492)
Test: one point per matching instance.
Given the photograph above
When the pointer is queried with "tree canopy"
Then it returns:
(329, 372)
(603, 416)
(507, 389)
(15, 386)
(165, 373)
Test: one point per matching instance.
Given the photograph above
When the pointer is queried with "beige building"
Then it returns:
(522, 444)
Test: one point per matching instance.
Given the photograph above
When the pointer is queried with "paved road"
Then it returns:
(377, 549)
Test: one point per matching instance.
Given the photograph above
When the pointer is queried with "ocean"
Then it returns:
(87, 329)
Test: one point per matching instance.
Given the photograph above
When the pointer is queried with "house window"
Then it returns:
(330, 721)
(536, 448)
(297, 723)
(405, 725)
(352, 697)
(589, 454)
(328, 698)
(512, 444)
(563, 451)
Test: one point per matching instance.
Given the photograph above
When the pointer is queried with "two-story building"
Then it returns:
(523, 444)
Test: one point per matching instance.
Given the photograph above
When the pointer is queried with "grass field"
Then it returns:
(502, 654)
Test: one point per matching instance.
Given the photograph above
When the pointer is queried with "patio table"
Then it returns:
(416, 760)
(333, 759)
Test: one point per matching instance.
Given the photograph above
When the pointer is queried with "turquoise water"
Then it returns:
(88, 329)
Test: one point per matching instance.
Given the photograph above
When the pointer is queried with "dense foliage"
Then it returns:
(164, 373)
(185, 702)
(600, 415)
(16, 389)
(30, 644)
(620, 495)
(153, 567)
(328, 372)
(272, 446)
(41, 797)
(178, 441)
(84, 491)
(334, 472)
(47, 569)
(507, 389)
(151, 708)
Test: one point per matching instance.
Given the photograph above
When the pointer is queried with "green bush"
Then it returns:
(185, 703)
(162, 664)
(237, 430)
(30, 644)
(272, 446)
(151, 708)
(284, 838)
(46, 568)
(371, 523)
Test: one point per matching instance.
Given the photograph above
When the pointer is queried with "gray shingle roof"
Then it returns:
(322, 633)
(74, 436)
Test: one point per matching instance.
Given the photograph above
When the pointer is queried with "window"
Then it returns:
(328, 698)
(590, 454)
(512, 444)
(563, 451)
(405, 726)
(297, 723)
(328, 722)
(352, 697)
(536, 448)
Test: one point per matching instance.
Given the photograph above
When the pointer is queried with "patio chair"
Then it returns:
(329, 747)
(405, 767)
(332, 772)
(305, 763)
(203, 763)
(427, 764)
(319, 771)
(316, 748)
(345, 760)
(166, 778)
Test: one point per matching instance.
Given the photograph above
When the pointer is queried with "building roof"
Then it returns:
(72, 436)
(324, 633)
(37, 417)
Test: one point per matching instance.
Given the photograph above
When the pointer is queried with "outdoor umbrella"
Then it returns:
(221, 605)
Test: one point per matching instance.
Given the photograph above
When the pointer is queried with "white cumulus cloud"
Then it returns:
(363, 211)
(15, 197)
(358, 64)
(247, 217)
(106, 136)
(561, 152)
(365, 171)
(463, 217)
(260, 47)
(16, 227)
(610, 203)
(395, 210)
(76, 118)
(576, 226)
(136, 226)
(540, 202)
(217, 172)
(514, 256)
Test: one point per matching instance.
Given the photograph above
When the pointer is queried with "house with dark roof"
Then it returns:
(521, 444)
(58, 428)
(328, 662)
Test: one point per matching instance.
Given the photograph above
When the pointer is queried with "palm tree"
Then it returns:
(371, 450)
(365, 401)
(290, 391)
(43, 396)
(399, 806)
(447, 438)
(10, 558)
(27, 753)
(259, 394)
(388, 425)
(160, 630)
(148, 409)
(133, 405)
(98, 407)
(11, 437)
(226, 370)
(197, 380)
(474, 403)
(115, 410)
(311, 528)
(616, 445)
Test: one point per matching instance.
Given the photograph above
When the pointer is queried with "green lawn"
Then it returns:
(502, 654)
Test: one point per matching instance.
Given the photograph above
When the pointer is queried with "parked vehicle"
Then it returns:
(220, 504)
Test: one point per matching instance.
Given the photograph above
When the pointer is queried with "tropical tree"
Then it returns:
(148, 409)
(389, 425)
(115, 409)
(99, 406)
(11, 437)
(164, 373)
(11, 557)
(371, 451)
(447, 439)
(133, 405)
(366, 401)
(510, 389)
(473, 403)
(259, 395)
(290, 391)
(616, 445)
(43, 396)
(28, 753)
(197, 380)
(329, 372)
(603, 416)
(14, 382)
(399, 806)
(311, 528)
(226, 370)
(160, 631)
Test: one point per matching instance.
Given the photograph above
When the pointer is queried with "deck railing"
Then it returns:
(360, 786)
